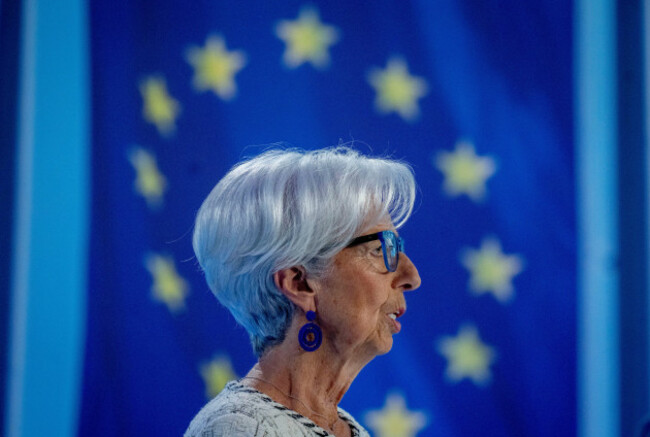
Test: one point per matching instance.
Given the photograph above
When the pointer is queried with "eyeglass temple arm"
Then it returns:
(363, 239)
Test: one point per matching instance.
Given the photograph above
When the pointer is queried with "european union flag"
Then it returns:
(477, 98)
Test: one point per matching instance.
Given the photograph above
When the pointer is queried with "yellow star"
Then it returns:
(491, 270)
(307, 39)
(159, 107)
(168, 287)
(216, 374)
(395, 420)
(397, 90)
(215, 67)
(467, 356)
(149, 182)
(465, 173)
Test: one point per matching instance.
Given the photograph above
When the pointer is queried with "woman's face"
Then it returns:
(359, 300)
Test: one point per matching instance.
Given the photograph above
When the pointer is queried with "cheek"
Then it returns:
(356, 311)
(355, 295)
(369, 304)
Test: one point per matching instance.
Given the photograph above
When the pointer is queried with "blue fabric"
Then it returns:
(599, 393)
(49, 250)
(499, 78)
(9, 47)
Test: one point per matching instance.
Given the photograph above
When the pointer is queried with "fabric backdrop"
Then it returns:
(476, 96)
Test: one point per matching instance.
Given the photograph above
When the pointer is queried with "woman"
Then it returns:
(302, 248)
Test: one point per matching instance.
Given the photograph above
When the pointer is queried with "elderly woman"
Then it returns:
(303, 249)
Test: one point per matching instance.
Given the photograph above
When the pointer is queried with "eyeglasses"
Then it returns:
(391, 245)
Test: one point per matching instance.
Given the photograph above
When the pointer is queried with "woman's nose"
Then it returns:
(409, 278)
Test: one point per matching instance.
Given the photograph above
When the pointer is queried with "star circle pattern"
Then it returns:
(491, 270)
(464, 171)
(216, 374)
(467, 356)
(307, 39)
(150, 183)
(396, 90)
(395, 420)
(215, 67)
(168, 287)
(159, 108)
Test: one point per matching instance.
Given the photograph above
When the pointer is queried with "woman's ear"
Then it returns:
(292, 282)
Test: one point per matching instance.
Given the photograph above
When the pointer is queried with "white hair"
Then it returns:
(288, 208)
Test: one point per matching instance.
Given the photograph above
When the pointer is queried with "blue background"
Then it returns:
(502, 77)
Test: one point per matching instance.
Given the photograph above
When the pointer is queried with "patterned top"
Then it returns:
(243, 411)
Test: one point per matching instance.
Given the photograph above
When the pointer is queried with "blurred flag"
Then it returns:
(476, 97)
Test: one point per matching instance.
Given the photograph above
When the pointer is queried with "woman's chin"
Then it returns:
(385, 346)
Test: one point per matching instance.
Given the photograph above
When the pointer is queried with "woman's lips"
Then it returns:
(396, 326)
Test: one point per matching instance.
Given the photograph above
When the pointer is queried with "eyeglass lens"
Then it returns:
(391, 250)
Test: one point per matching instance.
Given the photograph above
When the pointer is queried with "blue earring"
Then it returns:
(310, 336)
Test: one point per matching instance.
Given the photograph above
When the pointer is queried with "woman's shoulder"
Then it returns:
(232, 412)
(243, 411)
(355, 427)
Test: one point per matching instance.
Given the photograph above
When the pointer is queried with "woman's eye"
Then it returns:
(377, 250)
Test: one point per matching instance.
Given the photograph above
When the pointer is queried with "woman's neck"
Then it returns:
(311, 383)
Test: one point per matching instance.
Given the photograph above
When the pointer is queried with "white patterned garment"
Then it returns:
(243, 411)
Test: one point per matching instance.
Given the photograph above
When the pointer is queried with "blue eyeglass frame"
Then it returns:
(387, 238)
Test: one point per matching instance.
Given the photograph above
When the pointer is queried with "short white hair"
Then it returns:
(288, 208)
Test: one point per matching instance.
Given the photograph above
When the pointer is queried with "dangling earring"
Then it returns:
(310, 336)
